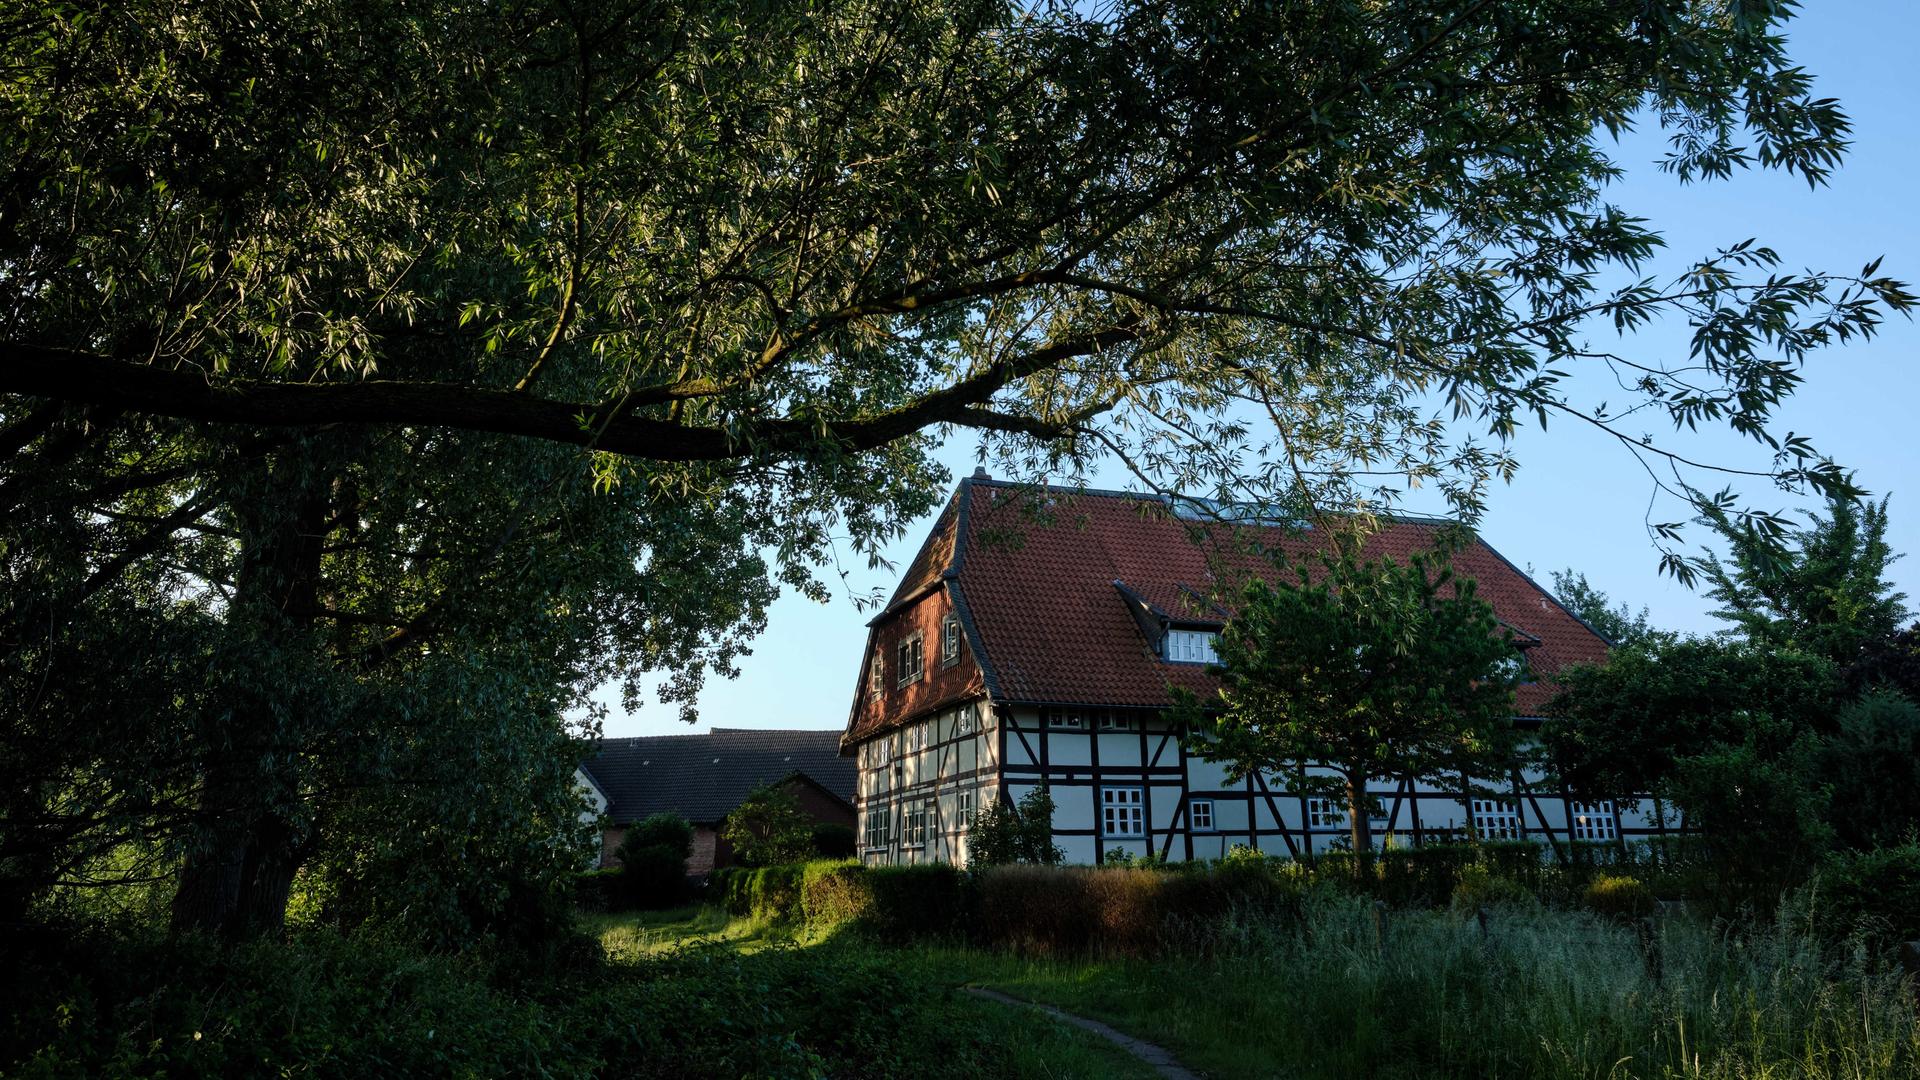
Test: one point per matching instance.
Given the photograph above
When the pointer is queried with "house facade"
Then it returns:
(703, 778)
(1034, 641)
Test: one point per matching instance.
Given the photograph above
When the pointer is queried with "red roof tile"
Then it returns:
(1041, 582)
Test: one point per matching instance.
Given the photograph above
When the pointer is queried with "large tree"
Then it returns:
(1373, 669)
(1619, 624)
(375, 377)
(1728, 733)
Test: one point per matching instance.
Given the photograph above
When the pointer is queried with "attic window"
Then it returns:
(950, 641)
(911, 658)
(877, 675)
(1192, 647)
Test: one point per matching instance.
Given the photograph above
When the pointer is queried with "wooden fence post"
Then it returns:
(1910, 959)
(1486, 933)
(1380, 927)
(1649, 934)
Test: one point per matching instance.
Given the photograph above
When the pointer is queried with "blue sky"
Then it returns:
(1579, 500)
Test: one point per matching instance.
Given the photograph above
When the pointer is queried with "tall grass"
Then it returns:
(1546, 993)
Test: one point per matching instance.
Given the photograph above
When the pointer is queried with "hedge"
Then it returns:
(1148, 910)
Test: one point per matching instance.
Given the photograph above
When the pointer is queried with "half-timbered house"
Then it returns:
(1034, 640)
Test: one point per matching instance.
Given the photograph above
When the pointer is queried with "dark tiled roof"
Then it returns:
(1048, 608)
(705, 776)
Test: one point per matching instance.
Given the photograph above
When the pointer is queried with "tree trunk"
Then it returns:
(237, 884)
(1359, 829)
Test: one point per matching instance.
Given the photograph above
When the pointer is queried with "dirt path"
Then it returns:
(1156, 1056)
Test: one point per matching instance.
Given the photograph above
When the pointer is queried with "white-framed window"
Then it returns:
(1060, 718)
(913, 825)
(1116, 722)
(1191, 646)
(963, 809)
(911, 658)
(950, 640)
(1496, 819)
(879, 826)
(878, 751)
(1200, 814)
(963, 721)
(1122, 812)
(913, 738)
(877, 674)
(1323, 814)
(1592, 820)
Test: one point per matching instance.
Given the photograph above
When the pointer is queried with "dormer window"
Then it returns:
(911, 659)
(1192, 646)
(950, 641)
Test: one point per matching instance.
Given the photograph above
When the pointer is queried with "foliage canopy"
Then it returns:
(377, 378)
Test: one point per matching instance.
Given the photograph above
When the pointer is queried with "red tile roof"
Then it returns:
(1041, 578)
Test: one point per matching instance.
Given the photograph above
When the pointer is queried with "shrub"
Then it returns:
(1003, 835)
(1422, 876)
(763, 892)
(1479, 886)
(1128, 910)
(915, 902)
(665, 829)
(1618, 897)
(1520, 861)
(832, 893)
(1874, 893)
(831, 841)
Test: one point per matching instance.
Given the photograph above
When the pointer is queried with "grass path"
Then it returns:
(1155, 1057)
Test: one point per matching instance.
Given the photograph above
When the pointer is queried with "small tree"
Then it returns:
(769, 828)
(1374, 669)
(1003, 834)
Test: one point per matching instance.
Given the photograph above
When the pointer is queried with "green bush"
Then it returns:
(1872, 893)
(1480, 886)
(665, 829)
(763, 892)
(1618, 896)
(1421, 876)
(915, 902)
(833, 893)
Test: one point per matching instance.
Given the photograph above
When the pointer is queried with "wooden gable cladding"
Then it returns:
(941, 683)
